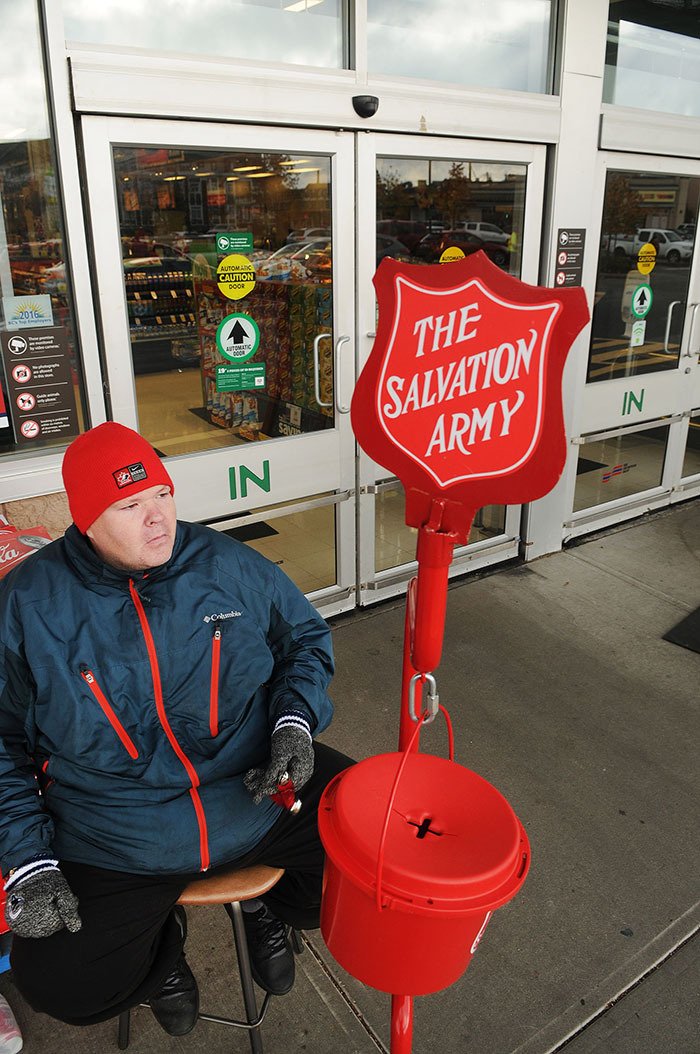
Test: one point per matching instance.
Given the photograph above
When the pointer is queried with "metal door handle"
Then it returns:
(340, 407)
(317, 377)
(689, 353)
(669, 316)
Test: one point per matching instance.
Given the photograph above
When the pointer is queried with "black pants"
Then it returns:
(130, 941)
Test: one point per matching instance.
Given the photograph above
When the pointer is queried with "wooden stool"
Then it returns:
(229, 889)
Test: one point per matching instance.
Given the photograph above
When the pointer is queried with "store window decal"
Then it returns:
(227, 288)
(41, 397)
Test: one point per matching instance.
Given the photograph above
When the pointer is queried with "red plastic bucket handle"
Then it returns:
(399, 773)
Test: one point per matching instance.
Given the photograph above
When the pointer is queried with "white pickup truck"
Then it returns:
(669, 245)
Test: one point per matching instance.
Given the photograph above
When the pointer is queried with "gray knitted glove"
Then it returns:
(39, 901)
(291, 752)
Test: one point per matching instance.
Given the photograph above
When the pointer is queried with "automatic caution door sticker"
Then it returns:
(451, 253)
(238, 337)
(235, 276)
(646, 258)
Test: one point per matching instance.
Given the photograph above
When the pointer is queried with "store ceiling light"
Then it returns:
(294, 171)
(302, 5)
(298, 161)
(171, 179)
(260, 175)
(246, 168)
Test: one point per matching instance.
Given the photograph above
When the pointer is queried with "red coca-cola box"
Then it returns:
(16, 544)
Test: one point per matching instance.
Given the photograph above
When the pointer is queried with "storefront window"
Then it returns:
(646, 251)
(304, 32)
(652, 60)
(496, 45)
(228, 280)
(40, 394)
(691, 461)
(301, 543)
(395, 543)
(619, 466)
(431, 211)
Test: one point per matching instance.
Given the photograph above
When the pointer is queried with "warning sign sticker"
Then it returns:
(451, 253)
(235, 276)
(646, 258)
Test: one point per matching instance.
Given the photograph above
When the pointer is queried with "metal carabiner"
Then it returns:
(430, 712)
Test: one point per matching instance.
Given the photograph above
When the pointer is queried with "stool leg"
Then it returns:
(123, 1036)
(297, 946)
(249, 1001)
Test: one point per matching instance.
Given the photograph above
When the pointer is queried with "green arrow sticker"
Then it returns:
(641, 301)
(238, 337)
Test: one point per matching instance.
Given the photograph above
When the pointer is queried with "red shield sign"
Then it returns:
(461, 395)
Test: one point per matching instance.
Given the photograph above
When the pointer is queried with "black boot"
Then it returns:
(176, 1003)
(271, 956)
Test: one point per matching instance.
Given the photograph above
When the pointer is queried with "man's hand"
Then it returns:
(40, 901)
(291, 752)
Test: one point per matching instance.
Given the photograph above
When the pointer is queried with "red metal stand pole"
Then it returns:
(401, 1024)
(424, 629)
(406, 725)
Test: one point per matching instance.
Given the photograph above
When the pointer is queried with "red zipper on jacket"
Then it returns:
(214, 688)
(163, 717)
(89, 678)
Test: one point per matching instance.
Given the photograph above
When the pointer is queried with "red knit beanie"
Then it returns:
(105, 464)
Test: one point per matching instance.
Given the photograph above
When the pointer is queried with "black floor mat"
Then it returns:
(250, 532)
(687, 632)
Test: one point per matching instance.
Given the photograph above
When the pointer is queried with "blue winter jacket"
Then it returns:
(131, 706)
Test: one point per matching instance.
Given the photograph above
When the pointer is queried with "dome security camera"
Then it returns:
(365, 105)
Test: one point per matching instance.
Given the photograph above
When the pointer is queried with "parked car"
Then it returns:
(307, 233)
(432, 246)
(669, 245)
(408, 232)
(387, 246)
(488, 231)
(687, 231)
(298, 262)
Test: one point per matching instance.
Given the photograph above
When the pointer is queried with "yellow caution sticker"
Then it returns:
(235, 276)
(451, 254)
(646, 258)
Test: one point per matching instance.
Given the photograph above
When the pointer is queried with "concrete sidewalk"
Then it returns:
(564, 695)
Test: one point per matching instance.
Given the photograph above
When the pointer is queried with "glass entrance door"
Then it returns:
(427, 202)
(224, 271)
(638, 442)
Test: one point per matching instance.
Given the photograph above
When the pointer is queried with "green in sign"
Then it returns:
(240, 378)
(235, 242)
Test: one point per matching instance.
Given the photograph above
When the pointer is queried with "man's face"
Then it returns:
(136, 532)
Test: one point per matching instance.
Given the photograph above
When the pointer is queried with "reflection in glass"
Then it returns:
(652, 60)
(496, 45)
(306, 32)
(302, 544)
(618, 467)
(35, 288)
(430, 210)
(646, 249)
(395, 543)
(691, 461)
(200, 382)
